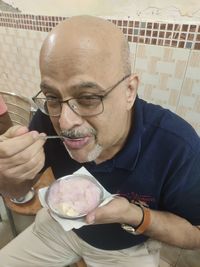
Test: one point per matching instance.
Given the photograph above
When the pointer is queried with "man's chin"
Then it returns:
(83, 156)
(79, 158)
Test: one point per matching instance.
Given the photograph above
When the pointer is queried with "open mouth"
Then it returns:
(76, 143)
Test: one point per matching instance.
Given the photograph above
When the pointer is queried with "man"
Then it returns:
(5, 121)
(146, 154)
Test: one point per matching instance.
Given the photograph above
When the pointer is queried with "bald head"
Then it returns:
(89, 39)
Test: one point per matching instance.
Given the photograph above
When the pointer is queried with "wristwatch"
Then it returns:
(142, 226)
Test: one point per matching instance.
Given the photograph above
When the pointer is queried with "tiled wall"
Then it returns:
(165, 55)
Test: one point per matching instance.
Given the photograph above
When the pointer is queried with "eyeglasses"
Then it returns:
(86, 106)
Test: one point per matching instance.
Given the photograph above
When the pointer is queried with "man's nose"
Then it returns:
(68, 118)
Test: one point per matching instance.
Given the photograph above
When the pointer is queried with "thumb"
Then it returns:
(90, 218)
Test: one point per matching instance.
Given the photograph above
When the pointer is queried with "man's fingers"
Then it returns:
(98, 215)
(12, 146)
(109, 213)
(15, 131)
(28, 170)
(23, 156)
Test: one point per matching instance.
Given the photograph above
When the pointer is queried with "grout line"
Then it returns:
(183, 81)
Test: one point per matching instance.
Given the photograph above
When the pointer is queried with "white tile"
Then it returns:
(196, 88)
(22, 33)
(29, 43)
(150, 79)
(19, 42)
(166, 67)
(8, 39)
(133, 47)
(193, 116)
(155, 51)
(160, 94)
(2, 30)
(193, 72)
(187, 101)
(174, 83)
(141, 63)
(187, 106)
(180, 54)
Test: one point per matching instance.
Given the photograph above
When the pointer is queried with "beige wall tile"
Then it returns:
(161, 70)
(189, 103)
(19, 68)
(133, 47)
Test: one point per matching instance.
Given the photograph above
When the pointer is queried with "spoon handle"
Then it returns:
(49, 137)
(53, 137)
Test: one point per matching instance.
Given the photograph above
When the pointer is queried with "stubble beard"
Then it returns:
(92, 155)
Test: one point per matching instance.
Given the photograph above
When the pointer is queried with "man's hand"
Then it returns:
(21, 159)
(119, 210)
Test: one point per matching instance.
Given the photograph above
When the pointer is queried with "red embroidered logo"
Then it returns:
(137, 198)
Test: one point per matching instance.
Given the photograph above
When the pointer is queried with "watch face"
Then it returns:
(129, 228)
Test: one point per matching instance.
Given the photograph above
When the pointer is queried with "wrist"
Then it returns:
(133, 215)
(142, 226)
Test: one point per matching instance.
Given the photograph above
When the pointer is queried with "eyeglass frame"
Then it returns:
(101, 97)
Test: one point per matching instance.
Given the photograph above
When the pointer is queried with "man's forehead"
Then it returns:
(81, 46)
(68, 62)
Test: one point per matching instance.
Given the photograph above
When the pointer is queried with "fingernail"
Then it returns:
(35, 134)
(42, 134)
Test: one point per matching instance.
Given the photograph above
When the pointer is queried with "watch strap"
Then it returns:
(146, 221)
(142, 226)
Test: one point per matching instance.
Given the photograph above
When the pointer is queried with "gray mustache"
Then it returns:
(73, 134)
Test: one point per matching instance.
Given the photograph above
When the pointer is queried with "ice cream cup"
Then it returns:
(74, 196)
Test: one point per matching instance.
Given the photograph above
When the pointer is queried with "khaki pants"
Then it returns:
(46, 244)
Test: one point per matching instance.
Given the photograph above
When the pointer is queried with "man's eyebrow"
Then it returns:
(44, 86)
(74, 88)
(87, 85)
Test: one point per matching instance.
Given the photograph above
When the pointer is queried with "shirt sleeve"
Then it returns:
(3, 107)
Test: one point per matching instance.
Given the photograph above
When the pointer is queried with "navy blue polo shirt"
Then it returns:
(159, 165)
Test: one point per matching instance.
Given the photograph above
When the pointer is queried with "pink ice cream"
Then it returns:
(75, 196)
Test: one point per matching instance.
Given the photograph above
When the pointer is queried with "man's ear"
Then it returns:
(132, 90)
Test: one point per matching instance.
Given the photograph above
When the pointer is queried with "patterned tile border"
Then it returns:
(154, 33)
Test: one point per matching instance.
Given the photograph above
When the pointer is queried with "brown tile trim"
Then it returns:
(29, 22)
(164, 34)
(181, 35)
